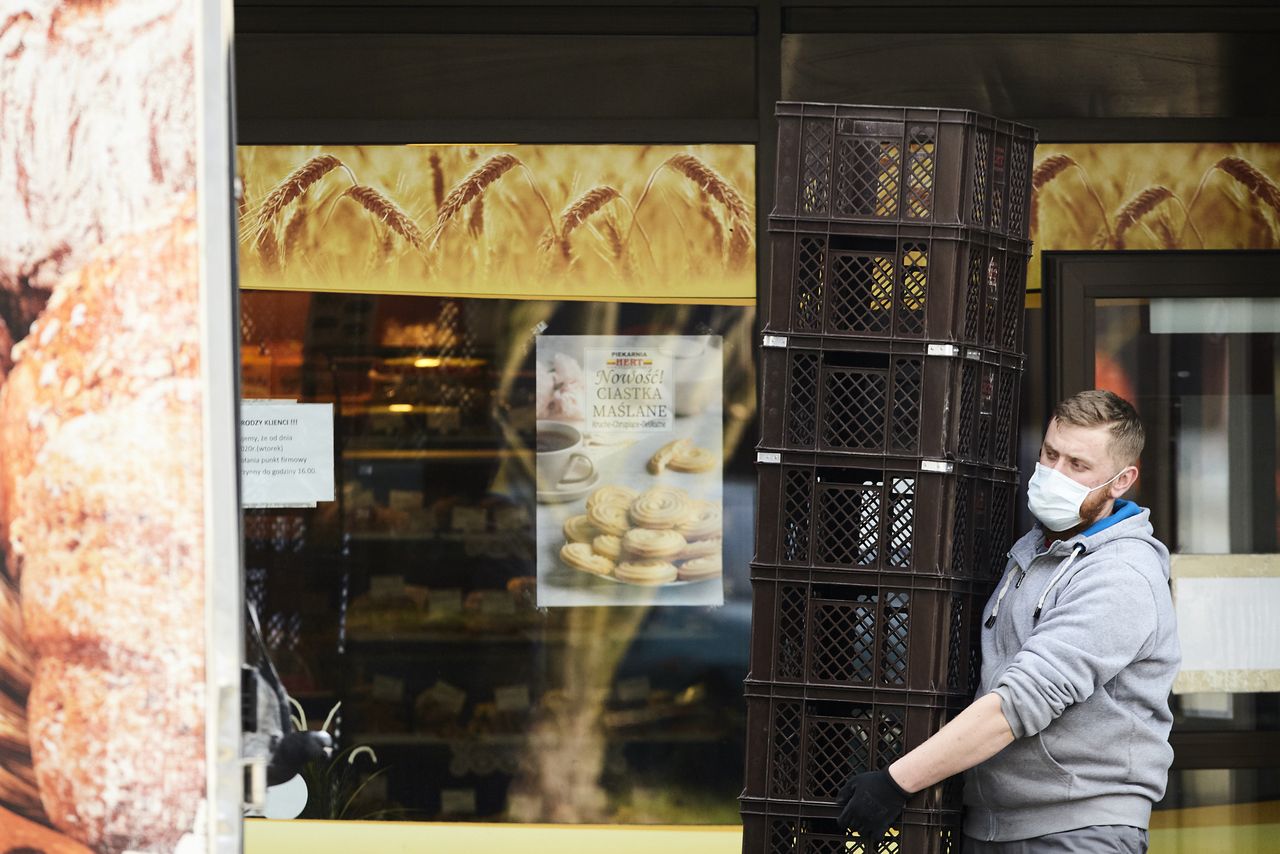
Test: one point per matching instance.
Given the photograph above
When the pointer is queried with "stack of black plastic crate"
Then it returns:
(891, 362)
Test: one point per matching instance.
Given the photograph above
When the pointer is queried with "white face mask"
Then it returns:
(1055, 499)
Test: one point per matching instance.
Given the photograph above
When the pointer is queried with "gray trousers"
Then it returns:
(1097, 839)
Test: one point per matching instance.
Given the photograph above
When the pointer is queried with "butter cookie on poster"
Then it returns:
(610, 518)
(693, 460)
(661, 507)
(608, 545)
(700, 569)
(652, 544)
(646, 572)
(578, 529)
(664, 455)
(581, 557)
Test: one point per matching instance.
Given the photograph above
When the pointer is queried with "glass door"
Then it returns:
(1193, 340)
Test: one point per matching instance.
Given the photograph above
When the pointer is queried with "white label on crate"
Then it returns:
(382, 587)
(768, 457)
(447, 697)
(775, 341)
(388, 688)
(943, 350)
(458, 801)
(633, 690)
(446, 601)
(511, 698)
(975, 355)
(936, 465)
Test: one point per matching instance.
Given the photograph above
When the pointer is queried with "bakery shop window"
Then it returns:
(529, 596)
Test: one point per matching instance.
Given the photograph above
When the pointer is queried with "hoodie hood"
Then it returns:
(1128, 521)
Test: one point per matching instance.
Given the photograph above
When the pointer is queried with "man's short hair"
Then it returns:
(1098, 407)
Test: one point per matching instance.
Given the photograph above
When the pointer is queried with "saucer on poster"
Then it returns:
(569, 492)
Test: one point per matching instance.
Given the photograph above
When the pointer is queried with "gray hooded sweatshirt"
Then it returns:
(1080, 645)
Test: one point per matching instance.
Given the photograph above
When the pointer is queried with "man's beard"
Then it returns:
(1094, 505)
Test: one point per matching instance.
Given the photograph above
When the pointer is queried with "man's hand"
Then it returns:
(872, 801)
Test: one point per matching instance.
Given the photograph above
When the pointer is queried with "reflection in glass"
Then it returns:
(1203, 375)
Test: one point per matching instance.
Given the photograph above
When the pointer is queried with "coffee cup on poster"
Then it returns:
(695, 366)
(559, 450)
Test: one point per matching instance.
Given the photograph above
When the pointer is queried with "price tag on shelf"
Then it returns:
(511, 698)
(634, 690)
(522, 807)
(382, 587)
(470, 519)
(447, 697)
(404, 500)
(446, 601)
(514, 518)
(388, 689)
(497, 602)
(458, 801)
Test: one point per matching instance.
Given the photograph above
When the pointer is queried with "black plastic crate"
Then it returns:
(887, 397)
(868, 514)
(802, 744)
(907, 164)
(928, 283)
(772, 829)
(897, 634)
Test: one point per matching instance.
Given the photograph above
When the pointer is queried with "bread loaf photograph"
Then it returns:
(101, 482)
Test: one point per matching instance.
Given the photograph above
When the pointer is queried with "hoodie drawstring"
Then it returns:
(1004, 588)
(1076, 551)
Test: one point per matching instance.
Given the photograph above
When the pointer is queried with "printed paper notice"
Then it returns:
(286, 454)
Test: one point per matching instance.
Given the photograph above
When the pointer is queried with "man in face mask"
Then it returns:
(1065, 747)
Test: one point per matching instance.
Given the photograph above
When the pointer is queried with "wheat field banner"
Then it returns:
(633, 223)
(1154, 196)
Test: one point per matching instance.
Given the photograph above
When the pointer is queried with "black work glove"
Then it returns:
(871, 802)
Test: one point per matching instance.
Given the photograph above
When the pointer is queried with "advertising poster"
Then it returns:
(628, 461)
(103, 401)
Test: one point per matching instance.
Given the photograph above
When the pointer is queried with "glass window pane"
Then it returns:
(1203, 374)
(411, 600)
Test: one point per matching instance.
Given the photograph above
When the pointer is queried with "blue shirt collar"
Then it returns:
(1122, 510)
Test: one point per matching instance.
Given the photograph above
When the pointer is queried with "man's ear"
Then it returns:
(1124, 482)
